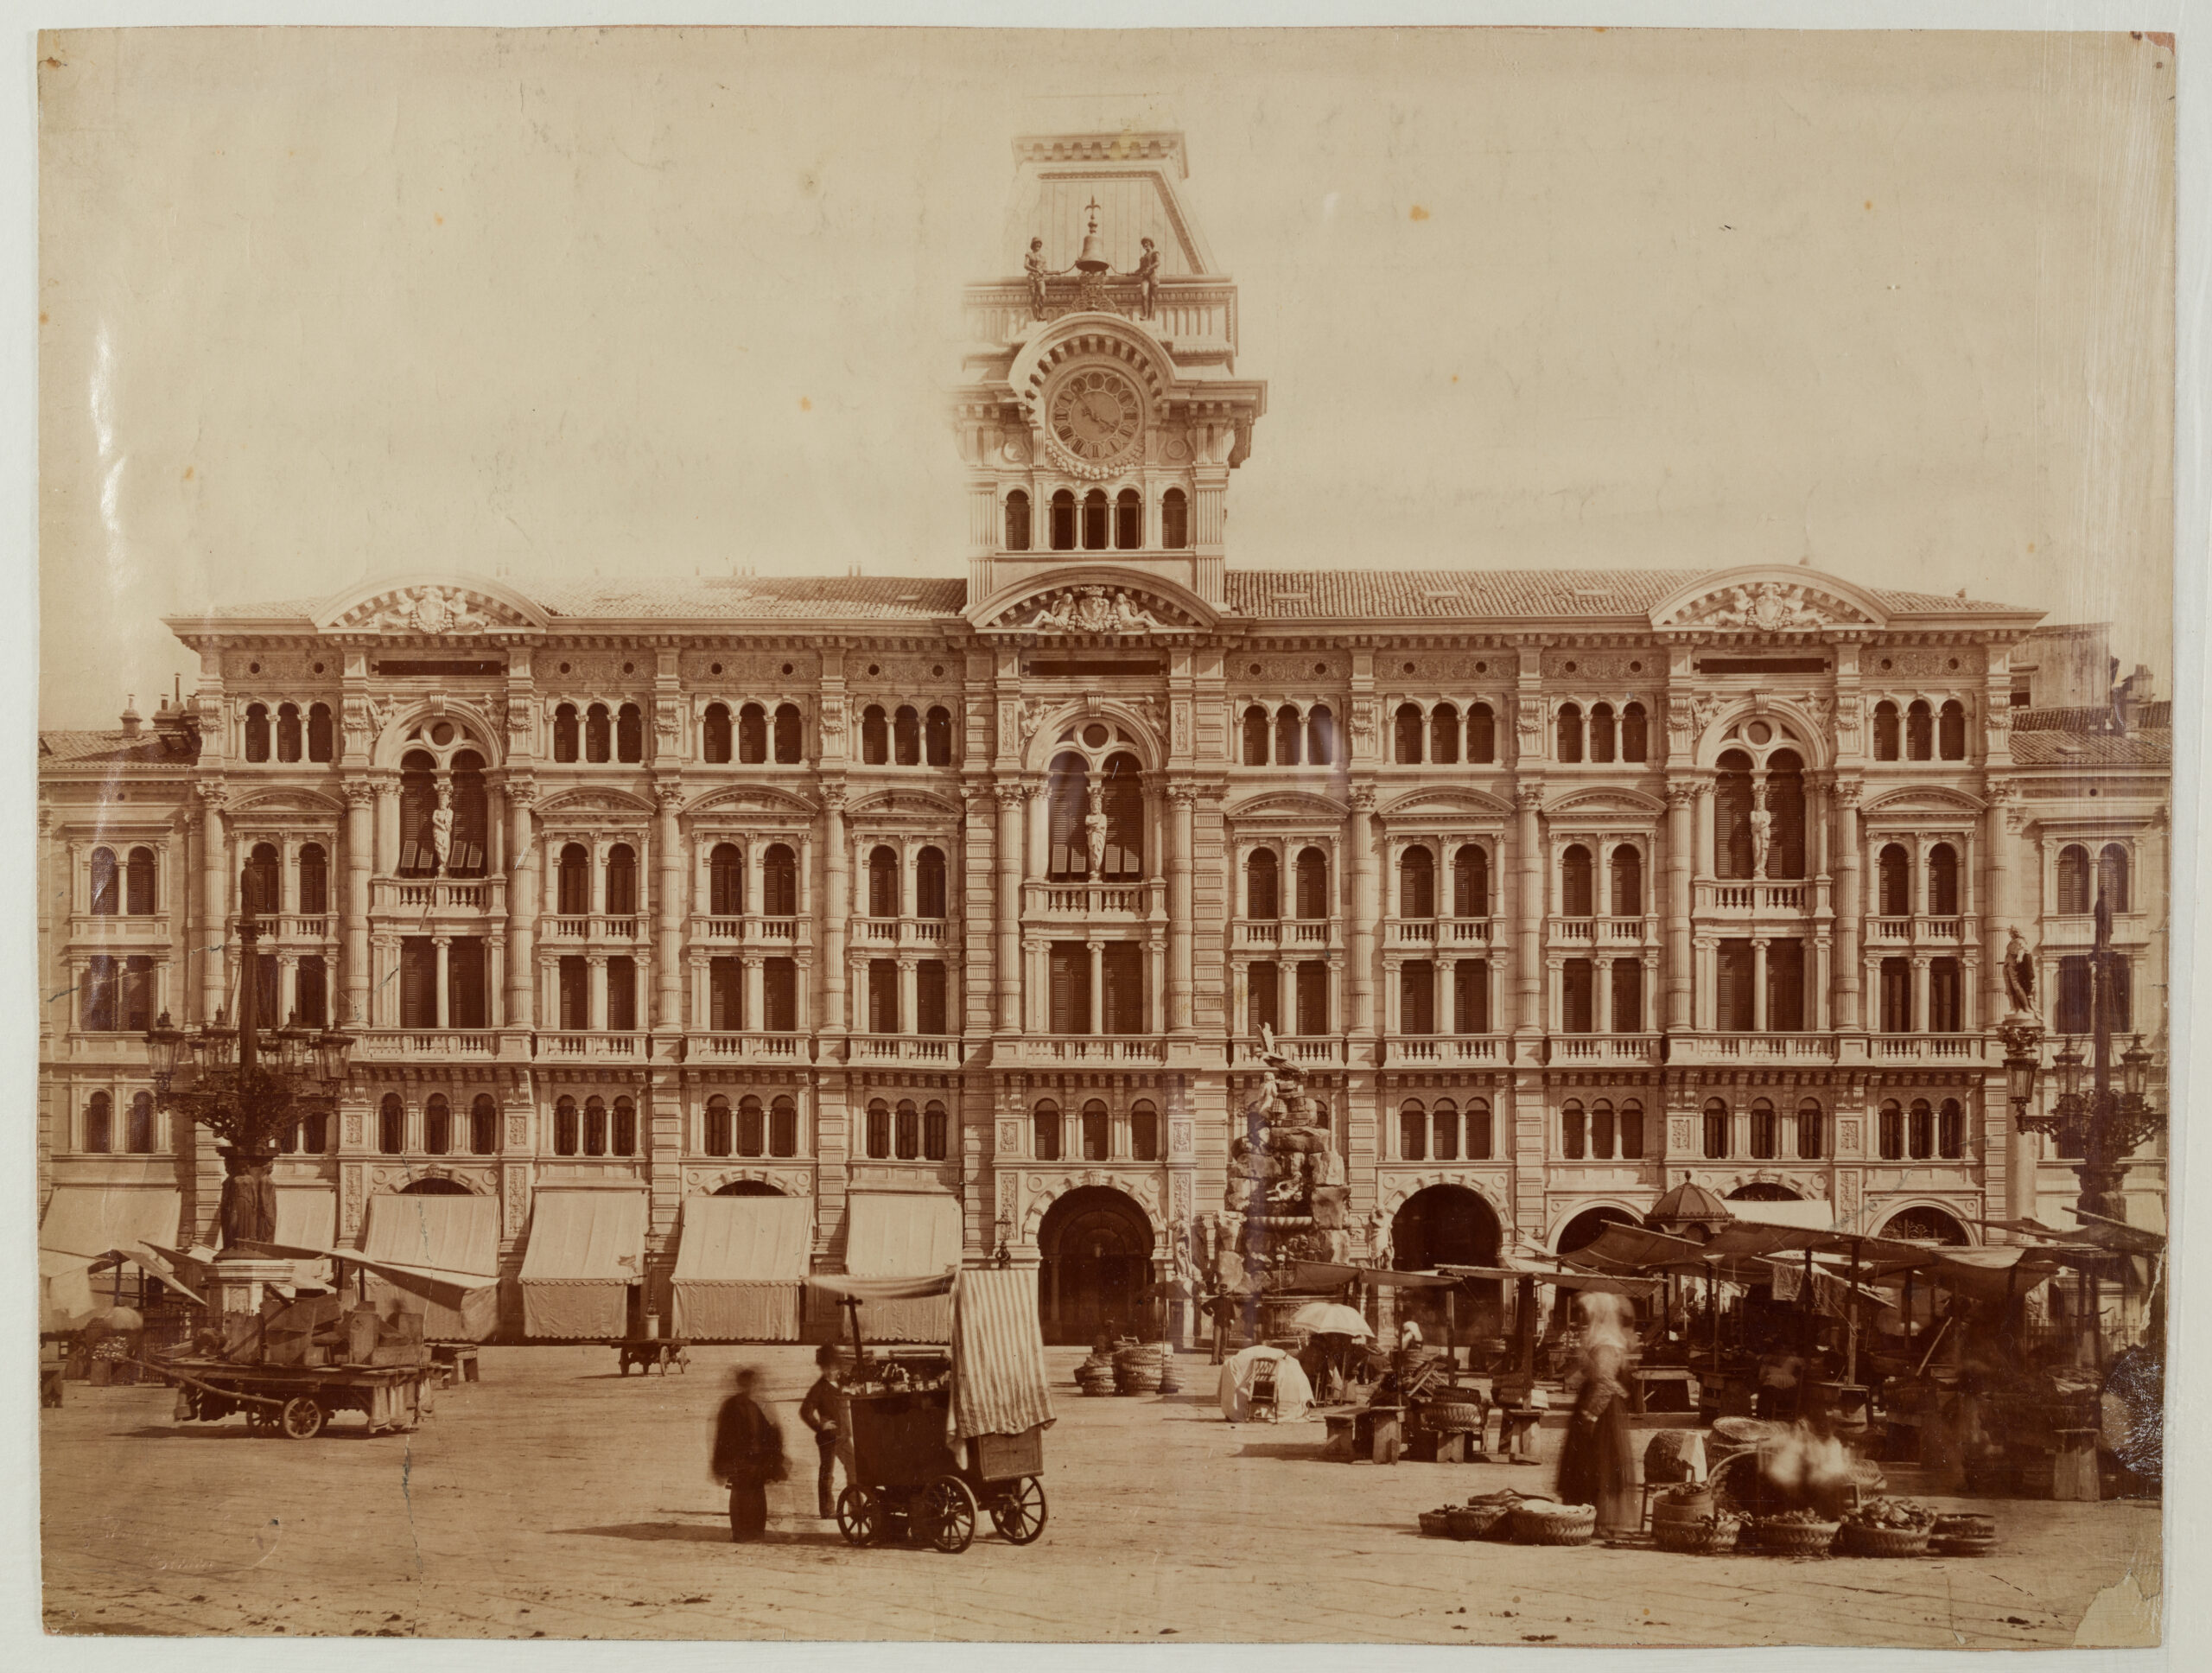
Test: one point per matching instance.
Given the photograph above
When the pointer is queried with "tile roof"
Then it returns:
(2096, 718)
(2149, 747)
(745, 597)
(113, 747)
(1449, 593)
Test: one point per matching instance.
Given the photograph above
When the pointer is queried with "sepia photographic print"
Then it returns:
(1215, 836)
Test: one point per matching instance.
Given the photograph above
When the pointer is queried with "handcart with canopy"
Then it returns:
(938, 1437)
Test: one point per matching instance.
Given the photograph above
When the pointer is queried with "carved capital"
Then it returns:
(360, 793)
(670, 796)
(1529, 798)
(1362, 798)
(2003, 792)
(214, 793)
(521, 792)
(1848, 791)
(1183, 795)
(1013, 795)
(1682, 793)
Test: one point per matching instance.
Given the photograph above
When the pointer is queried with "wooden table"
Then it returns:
(1644, 1376)
(1377, 1432)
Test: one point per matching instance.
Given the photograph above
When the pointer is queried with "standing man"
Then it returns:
(818, 1412)
(748, 1455)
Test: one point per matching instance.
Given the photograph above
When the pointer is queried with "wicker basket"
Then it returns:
(1861, 1539)
(1445, 1416)
(1477, 1521)
(1792, 1539)
(1561, 1524)
(1962, 1546)
(1667, 1508)
(1700, 1538)
(1961, 1525)
(1437, 1524)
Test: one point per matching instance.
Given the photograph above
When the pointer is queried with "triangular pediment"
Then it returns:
(1768, 599)
(1922, 800)
(751, 799)
(1096, 602)
(1444, 804)
(437, 606)
(1290, 804)
(1601, 803)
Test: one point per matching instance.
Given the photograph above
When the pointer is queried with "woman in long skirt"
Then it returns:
(1597, 1460)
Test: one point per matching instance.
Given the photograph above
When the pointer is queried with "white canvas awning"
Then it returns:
(84, 1222)
(453, 1240)
(587, 1248)
(307, 1215)
(1814, 1214)
(903, 1234)
(738, 1264)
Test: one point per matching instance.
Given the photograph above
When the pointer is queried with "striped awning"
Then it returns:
(999, 1383)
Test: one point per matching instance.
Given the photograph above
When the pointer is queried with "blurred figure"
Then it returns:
(819, 1412)
(1597, 1460)
(748, 1455)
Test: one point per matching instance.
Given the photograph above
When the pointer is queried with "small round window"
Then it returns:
(1096, 735)
(1759, 732)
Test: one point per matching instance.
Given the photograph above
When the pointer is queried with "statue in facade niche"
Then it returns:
(1094, 831)
(1761, 830)
(442, 832)
(2019, 976)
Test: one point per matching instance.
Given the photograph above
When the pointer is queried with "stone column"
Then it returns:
(440, 948)
(360, 856)
(1681, 980)
(288, 985)
(908, 986)
(1012, 802)
(1366, 911)
(522, 908)
(214, 871)
(387, 792)
(1185, 799)
(752, 966)
(1601, 994)
(668, 908)
(1528, 910)
(596, 962)
(1759, 984)
(1920, 961)
(1996, 902)
(1156, 958)
(837, 868)
(1707, 859)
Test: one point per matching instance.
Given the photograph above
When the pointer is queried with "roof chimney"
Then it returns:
(131, 719)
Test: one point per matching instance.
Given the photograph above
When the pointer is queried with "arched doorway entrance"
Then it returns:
(436, 1188)
(1586, 1227)
(1447, 1225)
(1096, 1249)
(749, 1188)
(1925, 1225)
(1762, 1191)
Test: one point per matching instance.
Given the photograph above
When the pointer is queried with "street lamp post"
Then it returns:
(1003, 1256)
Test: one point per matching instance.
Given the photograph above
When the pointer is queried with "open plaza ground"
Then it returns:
(556, 1499)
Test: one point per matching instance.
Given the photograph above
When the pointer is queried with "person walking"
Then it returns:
(819, 1412)
(748, 1455)
(1597, 1460)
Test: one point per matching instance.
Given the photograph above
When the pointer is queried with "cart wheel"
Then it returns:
(624, 1371)
(860, 1516)
(302, 1418)
(945, 1515)
(683, 1361)
(260, 1419)
(1018, 1512)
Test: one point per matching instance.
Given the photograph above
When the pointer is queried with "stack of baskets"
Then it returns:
(1962, 1536)
(1095, 1375)
(1687, 1519)
(1137, 1369)
(1886, 1528)
(1487, 1517)
(1795, 1534)
(1542, 1523)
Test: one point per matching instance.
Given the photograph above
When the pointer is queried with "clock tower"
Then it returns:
(1100, 412)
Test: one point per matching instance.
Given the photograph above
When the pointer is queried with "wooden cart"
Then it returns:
(649, 1353)
(298, 1401)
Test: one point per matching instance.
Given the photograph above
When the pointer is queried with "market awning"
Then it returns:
(1595, 1282)
(160, 1264)
(307, 1215)
(587, 1248)
(1325, 1274)
(84, 1222)
(906, 1235)
(738, 1260)
(1000, 1385)
(1813, 1213)
(456, 1238)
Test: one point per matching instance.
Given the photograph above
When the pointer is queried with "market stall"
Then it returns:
(741, 1264)
(83, 1223)
(456, 1238)
(584, 1263)
(892, 1233)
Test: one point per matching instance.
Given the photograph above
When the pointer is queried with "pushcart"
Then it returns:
(298, 1401)
(939, 1439)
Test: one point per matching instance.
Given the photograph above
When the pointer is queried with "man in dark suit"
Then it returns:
(748, 1455)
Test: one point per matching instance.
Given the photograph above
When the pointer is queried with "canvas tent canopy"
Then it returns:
(457, 1239)
(83, 1223)
(587, 1248)
(895, 1234)
(306, 1217)
(739, 1264)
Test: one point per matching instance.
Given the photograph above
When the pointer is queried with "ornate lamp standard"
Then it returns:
(1003, 1256)
(250, 1088)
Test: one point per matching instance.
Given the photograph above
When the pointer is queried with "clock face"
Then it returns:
(1096, 416)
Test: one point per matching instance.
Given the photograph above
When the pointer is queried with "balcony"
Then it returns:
(1089, 1048)
(312, 929)
(1753, 1048)
(433, 894)
(1080, 901)
(1950, 931)
(1926, 1048)
(1318, 1051)
(1472, 935)
(630, 928)
(1638, 1049)
(753, 1046)
(874, 933)
(101, 929)
(1438, 1050)
(776, 932)
(400, 1045)
(1281, 934)
(595, 1047)
(943, 1050)
(1718, 898)
(1604, 934)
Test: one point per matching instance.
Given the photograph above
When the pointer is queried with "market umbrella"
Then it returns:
(1689, 1207)
(1330, 1318)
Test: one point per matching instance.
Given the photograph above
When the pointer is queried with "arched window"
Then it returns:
(1633, 735)
(626, 1127)
(1067, 800)
(1062, 520)
(1478, 1133)
(1894, 882)
(752, 736)
(564, 733)
(1444, 1130)
(260, 897)
(1922, 1130)
(470, 849)
(937, 737)
(564, 1127)
(315, 879)
(1574, 1139)
(1943, 880)
(782, 1127)
(1094, 520)
(751, 1129)
(1951, 731)
(1288, 736)
(1174, 520)
(322, 739)
(1951, 1130)
(934, 1136)
(107, 893)
(392, 1125)
(1885, 731)
(1045, 1131)
(138, 883)
(257, 732)
(599, 734)
(1570, 732)
(288, 740)
(779, 882)
(1416, 883)
(719, 1134)
(1470, 881)
(1255, 736)
(879, 1130)
(595, 1126)
(1313, 883)
(1097, 1132)
(1716, 1130)
(1262, 886)
(1575, 888)
(1891, 1130)
(929, 883)
(1017, 521)
(1732, 815)
(574, 890)
(875, 736)
(1631, 1130)
(1320, 736)
(1482, 735)
(906, 736)
(1919, 731)
(483, 1126)
(726, 881)
(882, 883)
(2073, 879)
(1144, 1131)
(622, 881)
(1128, 520)
(437, 1125)
(1766, 1130)
(1785, 803)
(715, 734)
(1628, 882)
(1412, 1131)
(787, 733)
(1601, 732)
(1808, 1130)
(99, 1124)
(2112, 877)
(1124, 802)
(1407, 731)
(1601, 1129)
(1444, 733)
(139, 1125)
(1417, 997)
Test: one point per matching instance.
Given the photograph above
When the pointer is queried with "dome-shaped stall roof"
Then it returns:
(1688, 1206)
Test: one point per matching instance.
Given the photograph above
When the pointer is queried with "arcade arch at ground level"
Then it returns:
(1095, 1245)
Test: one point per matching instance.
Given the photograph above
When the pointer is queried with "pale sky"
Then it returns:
(320, 305)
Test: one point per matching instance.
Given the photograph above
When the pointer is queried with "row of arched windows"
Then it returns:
(468, 847)
(1119, 795)
(2076, 894)
(1470, 874)
(319, 739)
(1766, 1135)
(1578, 882)
(1893, 880)
(1604, 736)
(749, 1130)
(123, 889)
(1094, 523)
(1599, 1132)
(778, 882)
(1917, 1132)
(138, 1129)
(906, 1134)
(1095, 1133)
(482, 1134)
(748, 741)
(1288, 739)
(883, 883)
(261, 881)
(593, 1133)
(905, 738)
(1263, 894)
(1439, 1133)
(1926, 733)
(1437, 734)
(573, 889)
(1739, 795)
(598, 736)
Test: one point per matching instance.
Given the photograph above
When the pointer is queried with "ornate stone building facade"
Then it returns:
(1562, 886)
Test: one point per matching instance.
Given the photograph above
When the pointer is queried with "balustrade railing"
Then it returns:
(386, 1045)
(1605, 1048)
(1092, 1049)
(775, 1048)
